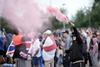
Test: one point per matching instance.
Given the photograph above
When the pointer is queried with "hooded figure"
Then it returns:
(76, 54)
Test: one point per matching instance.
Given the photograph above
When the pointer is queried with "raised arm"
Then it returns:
(76, 33)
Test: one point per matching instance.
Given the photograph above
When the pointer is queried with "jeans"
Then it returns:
(37, 62)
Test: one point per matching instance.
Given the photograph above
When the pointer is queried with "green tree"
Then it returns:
(57, 24)
(89, 17)
(4, 25)
(81, 19)
(95, 14)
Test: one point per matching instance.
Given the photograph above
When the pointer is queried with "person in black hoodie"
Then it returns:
(76, 51)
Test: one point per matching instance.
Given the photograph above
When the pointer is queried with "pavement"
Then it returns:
(98, 65)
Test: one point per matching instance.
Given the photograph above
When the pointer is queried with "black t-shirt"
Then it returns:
(18, 49)
(76, 52)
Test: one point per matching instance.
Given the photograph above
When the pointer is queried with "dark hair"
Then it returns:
(66, 32)
(15, 31)
(73, 34)
(55, 34)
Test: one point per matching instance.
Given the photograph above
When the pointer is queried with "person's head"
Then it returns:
(89, 33)
(47, 33)
(98, 35)
(15, 31)
(73, 36)
(65, 34)
(55, 34)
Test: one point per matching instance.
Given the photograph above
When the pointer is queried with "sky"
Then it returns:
(1, 6)
(72, 6)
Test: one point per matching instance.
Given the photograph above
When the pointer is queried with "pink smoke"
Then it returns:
(1, 6)
(25, 15)
(57, 13)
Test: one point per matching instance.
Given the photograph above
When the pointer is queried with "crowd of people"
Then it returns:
(70, 48)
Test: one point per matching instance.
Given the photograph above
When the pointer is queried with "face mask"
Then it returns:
(74, 38)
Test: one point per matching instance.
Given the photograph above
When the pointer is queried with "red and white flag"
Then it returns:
(10, 50)
(49, 49)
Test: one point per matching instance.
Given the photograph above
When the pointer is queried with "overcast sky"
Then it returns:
(71, 5)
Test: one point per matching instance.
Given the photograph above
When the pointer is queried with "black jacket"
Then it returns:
(18, 49)
(76, 48)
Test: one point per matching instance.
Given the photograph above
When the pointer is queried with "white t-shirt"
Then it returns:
(34, 47)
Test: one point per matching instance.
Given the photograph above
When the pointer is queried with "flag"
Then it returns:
(49, 49)
(58, 14)
(11, 50)
(53, 10)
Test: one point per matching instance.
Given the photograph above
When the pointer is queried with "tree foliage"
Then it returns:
(57, 24)
(4, 25)
(89, 18)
